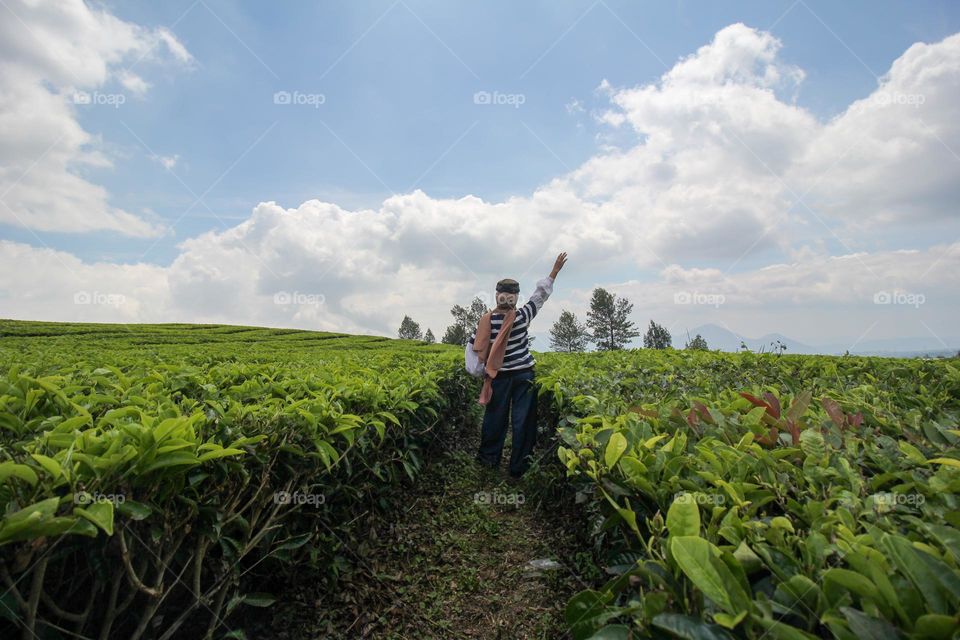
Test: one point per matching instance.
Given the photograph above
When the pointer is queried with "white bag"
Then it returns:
(473, 365)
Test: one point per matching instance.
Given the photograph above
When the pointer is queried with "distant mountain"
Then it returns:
(720, 338)
(726, 340)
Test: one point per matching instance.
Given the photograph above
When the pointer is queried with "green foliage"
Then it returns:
(465, 320)
(765, 496)
(409, 330)
(227, 456)
(567, 334)
(747, 495)
(657, 337)
(609, 320)
(697, 343)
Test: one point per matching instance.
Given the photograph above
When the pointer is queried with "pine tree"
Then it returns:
(567, 334)
(608, 320)
(409, 329)
(455, 334)
(697, 344)
(428, 337)
(465, 320)
(657, 337)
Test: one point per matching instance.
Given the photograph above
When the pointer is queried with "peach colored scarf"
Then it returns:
(492, 354)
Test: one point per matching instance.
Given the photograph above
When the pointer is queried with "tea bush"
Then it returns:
(755, 495)
(154, 479)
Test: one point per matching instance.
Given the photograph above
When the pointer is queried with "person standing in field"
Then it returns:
(498, 351)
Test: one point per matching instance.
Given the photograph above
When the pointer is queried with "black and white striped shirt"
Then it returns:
(517, 355)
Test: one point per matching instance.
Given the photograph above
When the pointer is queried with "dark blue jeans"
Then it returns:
(514, 397)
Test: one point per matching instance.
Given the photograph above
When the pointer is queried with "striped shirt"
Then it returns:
(517, 355)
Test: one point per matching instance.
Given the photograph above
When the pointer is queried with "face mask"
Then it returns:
(506, 300)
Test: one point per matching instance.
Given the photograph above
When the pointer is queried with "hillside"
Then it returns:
(182, 481)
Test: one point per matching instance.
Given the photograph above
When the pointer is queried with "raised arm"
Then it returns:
(544, 287)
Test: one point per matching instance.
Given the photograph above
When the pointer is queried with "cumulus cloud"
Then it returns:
(721, 152)
(55, 59)
(817, 298)
(894, 156)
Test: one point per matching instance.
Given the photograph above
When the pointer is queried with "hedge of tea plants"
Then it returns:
(155, 481)
(763, 496)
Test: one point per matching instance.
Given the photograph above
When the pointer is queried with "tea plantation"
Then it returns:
(188, 481)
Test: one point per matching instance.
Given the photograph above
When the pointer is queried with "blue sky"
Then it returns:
(398, 83)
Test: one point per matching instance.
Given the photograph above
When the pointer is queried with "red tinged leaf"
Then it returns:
(856, 420)
(760, 403)
(834, 411)
(704, 412)
(794, 430)
(774, 403)
(692, 418)
(646, 413)
(755, 400)
(769, 440)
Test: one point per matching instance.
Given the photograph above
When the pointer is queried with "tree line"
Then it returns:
(607, 327)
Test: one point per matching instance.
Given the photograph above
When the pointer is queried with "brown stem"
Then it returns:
(12, 586)
(61, 613)
(131, 574)
(215, 620)
(36, 587)
(112, 611)
(152, 607)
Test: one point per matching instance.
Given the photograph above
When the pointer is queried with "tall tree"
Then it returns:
(465, 320)
(410, 329)
(697, 343)
(609, 320)
(657, 337)
(429, 337)
(455, 334)
(568, 334)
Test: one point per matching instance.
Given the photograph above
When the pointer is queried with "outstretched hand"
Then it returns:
(561, 260)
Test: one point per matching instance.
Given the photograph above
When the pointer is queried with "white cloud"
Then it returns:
(894, 156)
(134, 83)
(56, 59)
(721, 150)
(168, 162)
